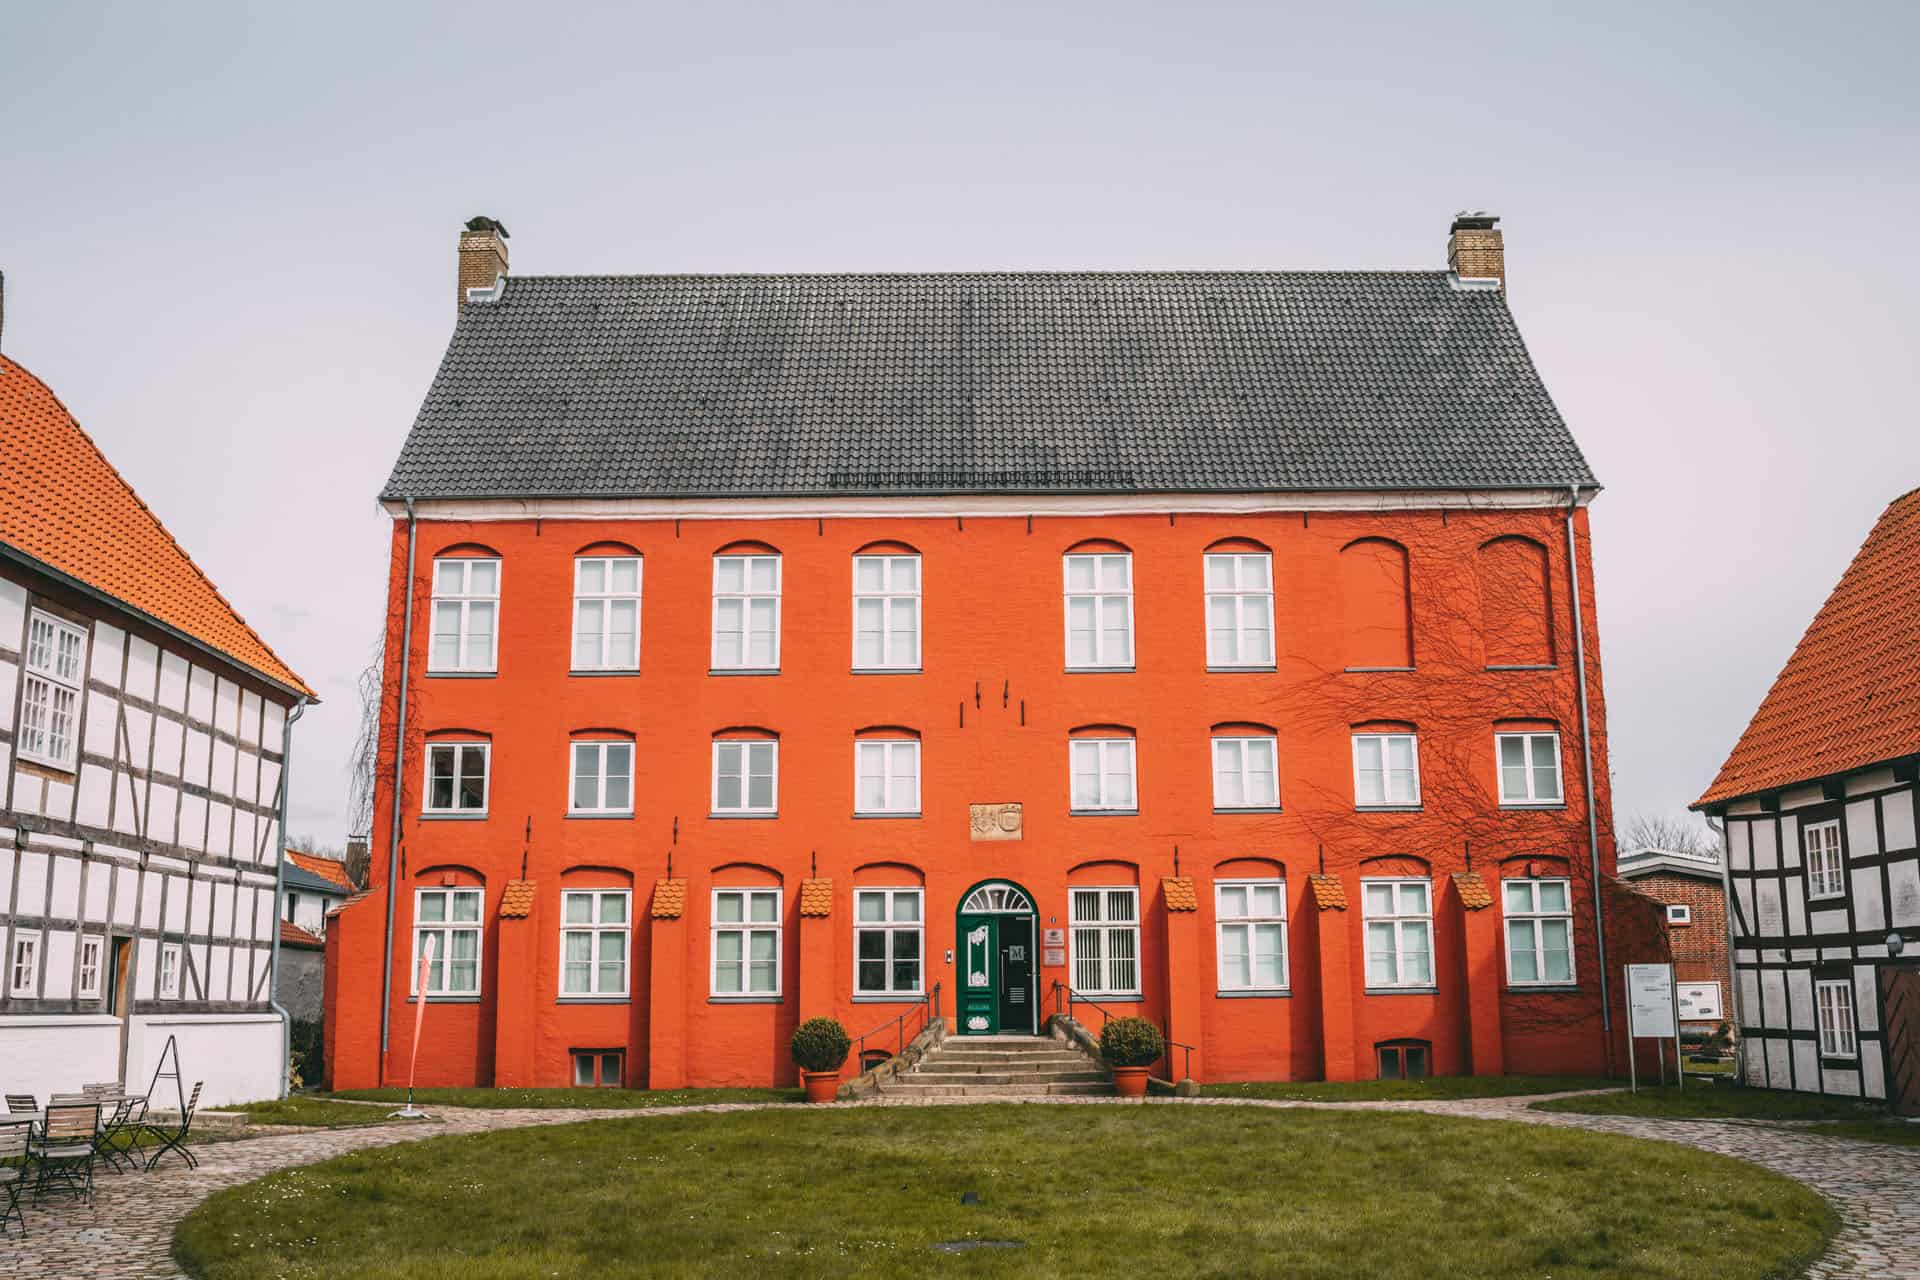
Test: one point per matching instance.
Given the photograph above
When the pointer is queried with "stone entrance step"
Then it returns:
(1002, 1065)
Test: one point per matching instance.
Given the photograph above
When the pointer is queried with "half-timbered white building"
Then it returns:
(1820, 808)
(144, 732)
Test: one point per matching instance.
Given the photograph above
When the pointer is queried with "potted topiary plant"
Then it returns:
(819, 1048)
(1130, 1046)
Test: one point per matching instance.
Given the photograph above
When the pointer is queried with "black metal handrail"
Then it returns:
(927, 1007)
(1107, 1015)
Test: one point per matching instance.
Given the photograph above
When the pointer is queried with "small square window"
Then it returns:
(599, 1068)
(1679, 913)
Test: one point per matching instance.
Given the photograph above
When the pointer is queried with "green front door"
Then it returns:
(996, 974)
(979, 974)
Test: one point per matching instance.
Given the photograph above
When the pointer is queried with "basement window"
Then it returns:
(1405, 1059)
(599, 1068)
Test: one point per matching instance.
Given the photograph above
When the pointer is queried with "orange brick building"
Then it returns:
(1199, 645)
(1689, 889)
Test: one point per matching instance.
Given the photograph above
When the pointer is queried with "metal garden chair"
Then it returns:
(14, 1137)
(18, 1102)
(174, 1138)
(64, 1151)
(120, 1134)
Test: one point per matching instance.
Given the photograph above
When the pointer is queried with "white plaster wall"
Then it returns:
(47, 1054)
(237, 1055)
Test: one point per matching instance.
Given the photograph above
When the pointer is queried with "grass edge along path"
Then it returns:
(561, 1099)
(1821, 1114)
(1429, 1089)
(1199, 1191)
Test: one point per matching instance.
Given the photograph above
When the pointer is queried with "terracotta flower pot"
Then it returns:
(820, 1085)
(1130, 1082)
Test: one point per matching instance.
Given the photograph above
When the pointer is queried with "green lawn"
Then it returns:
(542, 1099)
(305, 1110)
(1432, 1089)
(1133, 1191)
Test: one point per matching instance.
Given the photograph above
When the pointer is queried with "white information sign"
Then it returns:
(1650, 1000)
(1700, 1002)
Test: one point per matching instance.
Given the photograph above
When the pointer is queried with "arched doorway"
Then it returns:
(995, 929)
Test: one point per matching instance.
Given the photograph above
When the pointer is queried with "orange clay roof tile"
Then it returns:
(1328, 893)
(326, 868)
(816, 897)
(517, 902)
(1473, 891)
(1850, 694)
(669, 899)
(1178, 891)
(292, 935)
(63, 505)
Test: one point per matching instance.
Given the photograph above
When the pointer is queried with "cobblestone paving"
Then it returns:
(129, 1230)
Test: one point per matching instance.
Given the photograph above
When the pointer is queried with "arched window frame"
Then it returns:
(748, 581)
(463, 629)
(1097, 588)
(608, 582)
(1238, 591)
(888, 584)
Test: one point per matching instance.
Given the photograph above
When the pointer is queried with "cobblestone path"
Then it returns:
(129, 1230)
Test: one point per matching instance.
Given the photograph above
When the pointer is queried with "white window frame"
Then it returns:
(466, 600)
(904, 805)
(893, 600)
(1530, 799)
(1839, 1038)
(1679, 913)
(167, 980)
(1099, 594)
(746, 808)
(1826, 861)
(1386, 771)
(891, 926)
(595, 928)
(1247, 924)
(606, 598)
(1403, 921)
(1243, 747)
(90, 989)
(1534, 916)
(1103, 749)
(444, 929)
(747, 596)
(746, 927)
(1256, 602)
(23, 964)
(1107, 928)
(459, 747)
(600, 747)
(52, 683)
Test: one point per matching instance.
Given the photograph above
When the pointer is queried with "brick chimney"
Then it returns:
(1475, 250)
(483, 255)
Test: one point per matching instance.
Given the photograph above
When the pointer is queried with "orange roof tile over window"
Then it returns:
(1850, 694)
(816, 897)
(1178, 891)
(1328, 893)
(326, 868)
(63, 504)
(517, 902)
(669, 899)
(1473, 891)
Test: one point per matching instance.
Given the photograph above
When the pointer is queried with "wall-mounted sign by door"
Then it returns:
(1053, 937)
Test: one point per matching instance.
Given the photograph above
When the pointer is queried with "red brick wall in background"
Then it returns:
(994, 709)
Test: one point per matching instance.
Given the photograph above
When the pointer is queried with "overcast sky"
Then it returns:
(228, 235)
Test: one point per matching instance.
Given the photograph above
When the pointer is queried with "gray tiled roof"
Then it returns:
(1030, 382)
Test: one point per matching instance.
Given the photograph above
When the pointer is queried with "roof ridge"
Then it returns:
(159, 524)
